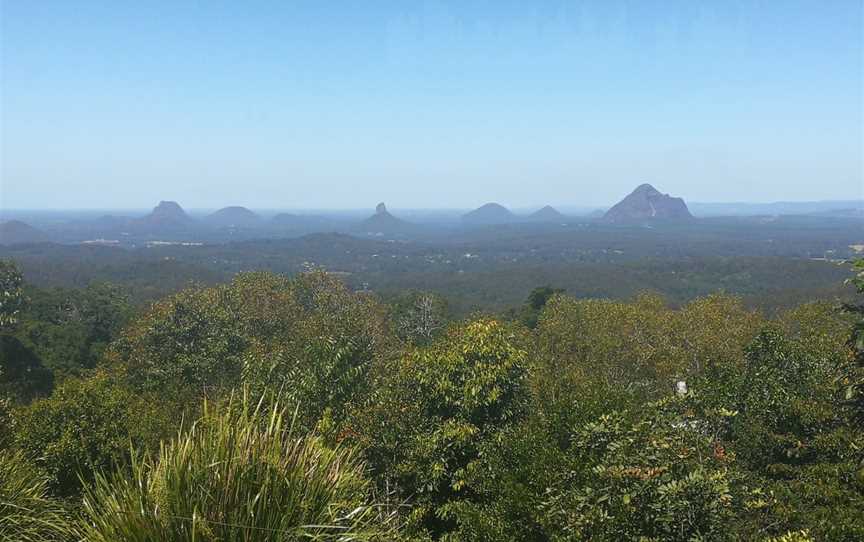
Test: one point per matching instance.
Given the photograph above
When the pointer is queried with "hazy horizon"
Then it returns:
(436, 105)
(360, 208)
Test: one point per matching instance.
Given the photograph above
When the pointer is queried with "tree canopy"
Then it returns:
(293, 408)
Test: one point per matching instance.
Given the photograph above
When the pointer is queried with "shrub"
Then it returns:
(88, 425)
(27, 514)
(238, 474)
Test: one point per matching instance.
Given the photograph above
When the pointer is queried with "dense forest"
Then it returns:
(772, 263)
(298, 407)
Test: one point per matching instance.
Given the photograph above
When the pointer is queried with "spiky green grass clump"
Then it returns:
(27, 514)
(237, 474)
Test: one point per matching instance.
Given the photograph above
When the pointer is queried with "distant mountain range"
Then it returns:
(168, 221)
(646, 203)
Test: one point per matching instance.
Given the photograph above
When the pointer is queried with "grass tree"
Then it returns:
(239, 473)
(27, 513)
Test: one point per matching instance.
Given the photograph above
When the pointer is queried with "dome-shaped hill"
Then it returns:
(233, 216)
(491, 213)
(168, 214)
(547, 214)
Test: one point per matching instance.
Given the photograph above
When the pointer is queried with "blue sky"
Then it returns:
(330, 104)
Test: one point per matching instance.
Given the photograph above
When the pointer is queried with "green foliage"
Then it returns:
(194, 337)
(12, 297)
(7, 423)
(309, 337)
(791, 434)
(767, 263)
(320, 357)
(425, 427)
(644, 344)
(819, 328)
(652, 476)
(16, 363)
(60, 333)
(68, 330)
(858, 282)
(655, 478)
(27, 513)
(483, 431)
(87, 426)
(22, 374)
(791, 536)
(762, 443)
(320, 378)
(238, 474)
(533, 306)
(785, 397)
(508, 484)
(854, 378)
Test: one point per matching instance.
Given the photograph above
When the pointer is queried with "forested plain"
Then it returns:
(771, 262)
(646, 391)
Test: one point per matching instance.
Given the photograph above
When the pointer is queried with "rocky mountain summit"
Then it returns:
(646, 203)
(384, 222)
